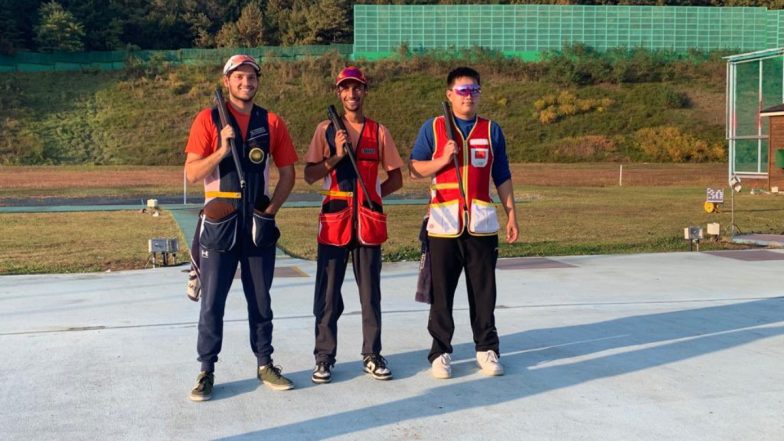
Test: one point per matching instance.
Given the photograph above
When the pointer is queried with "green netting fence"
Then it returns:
(62, 61)
(526, 30)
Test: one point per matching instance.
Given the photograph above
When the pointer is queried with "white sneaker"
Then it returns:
(488, 362)
(442, 366)
(193, 289)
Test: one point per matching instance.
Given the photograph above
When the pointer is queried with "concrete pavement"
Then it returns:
(680, 346)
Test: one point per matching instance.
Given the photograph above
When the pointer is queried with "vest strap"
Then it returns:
(445, 186)
(223, 194)
(337, 193)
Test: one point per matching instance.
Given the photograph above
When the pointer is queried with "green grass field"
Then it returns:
(34, 243)
(558, 221)
(563, 209)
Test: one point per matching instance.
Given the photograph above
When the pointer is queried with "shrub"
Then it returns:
(669, 144)
(551, 108)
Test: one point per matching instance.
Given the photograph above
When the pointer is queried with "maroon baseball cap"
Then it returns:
(238, 60)
(350, 73)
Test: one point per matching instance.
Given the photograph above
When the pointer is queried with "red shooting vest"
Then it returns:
(449, 214)
(345, 214)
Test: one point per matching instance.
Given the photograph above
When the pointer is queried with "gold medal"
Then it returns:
(256, 155)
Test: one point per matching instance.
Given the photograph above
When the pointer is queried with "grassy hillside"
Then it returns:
(571, 107)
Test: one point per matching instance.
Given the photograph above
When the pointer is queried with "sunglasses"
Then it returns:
(467, 90)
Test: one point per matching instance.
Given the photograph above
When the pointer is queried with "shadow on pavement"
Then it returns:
(537, 361)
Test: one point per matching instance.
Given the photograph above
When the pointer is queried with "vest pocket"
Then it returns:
(372, 226)
(335, 228)
(444, 218)
(264, 231)
(218, 235)
(483, 217)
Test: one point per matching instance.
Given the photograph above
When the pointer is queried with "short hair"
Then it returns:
(460, 72)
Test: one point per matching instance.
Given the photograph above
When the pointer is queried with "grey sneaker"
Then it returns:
(271, 377)
(376, 366)
(193, 289)
(489, 363)
(202, 391)
(442, 366)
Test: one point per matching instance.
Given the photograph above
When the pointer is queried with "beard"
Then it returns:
(244, 100)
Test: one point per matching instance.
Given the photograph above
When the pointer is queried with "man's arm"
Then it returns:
(506, 194)
(317, 170)
(198, 167)
(282, 189)
(424, 169)
(393, 183)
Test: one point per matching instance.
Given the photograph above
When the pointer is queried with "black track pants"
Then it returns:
(476, 255)
(328, 299)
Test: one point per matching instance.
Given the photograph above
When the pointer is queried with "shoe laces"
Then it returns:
(274, 369)
(323, 366)
(445, 359)
(201, 380)
(378, 361)
(491, 357)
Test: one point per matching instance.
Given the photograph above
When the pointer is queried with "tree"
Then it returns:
(102, 21)
(274, 13)
(228, 36)
(58, 29)
(329, 22)
(10, 36)
(250, 26)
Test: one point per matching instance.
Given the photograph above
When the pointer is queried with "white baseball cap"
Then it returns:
(238, 60)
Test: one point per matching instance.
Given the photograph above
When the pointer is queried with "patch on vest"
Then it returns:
(479, 156)
(368, 151)
(261, 131)
(256, 155)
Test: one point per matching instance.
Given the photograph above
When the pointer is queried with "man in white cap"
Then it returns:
(348, 224)
(238, 224)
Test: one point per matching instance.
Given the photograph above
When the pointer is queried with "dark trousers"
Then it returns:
(328, 299)
(476, 255)
(257, 266)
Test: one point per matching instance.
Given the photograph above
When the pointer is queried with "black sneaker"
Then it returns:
(322, 373)
(202, 391)
(376, 366)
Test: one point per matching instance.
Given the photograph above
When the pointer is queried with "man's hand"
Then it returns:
(341, 139)
(512, 230)
(450, 150)
(226, 134)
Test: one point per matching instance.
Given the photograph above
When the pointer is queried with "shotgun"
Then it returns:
(337, 122)
(451, 135)
(224, 119)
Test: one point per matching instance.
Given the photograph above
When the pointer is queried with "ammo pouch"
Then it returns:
(264, 231)
(219, 226)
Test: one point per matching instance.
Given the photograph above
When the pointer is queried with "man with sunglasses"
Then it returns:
(237, 225)
(462, 227)
(349, 224)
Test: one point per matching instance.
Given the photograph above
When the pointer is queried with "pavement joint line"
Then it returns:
(399, 311)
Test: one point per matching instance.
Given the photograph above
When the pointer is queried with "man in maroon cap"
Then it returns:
(237, 225)
(351, 222)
